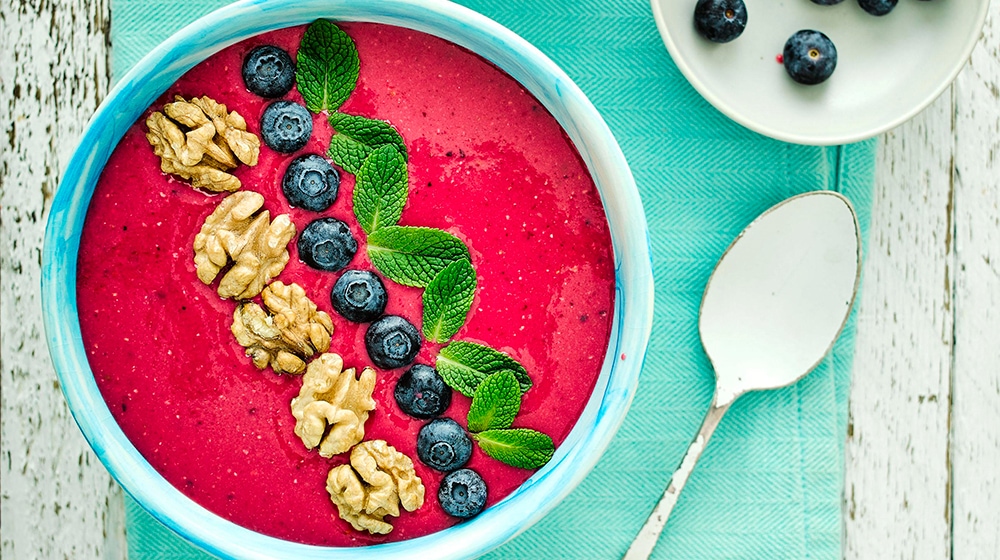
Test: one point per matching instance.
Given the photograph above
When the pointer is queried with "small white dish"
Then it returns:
(888, 69)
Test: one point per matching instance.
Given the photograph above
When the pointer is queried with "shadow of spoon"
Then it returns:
(772, 309)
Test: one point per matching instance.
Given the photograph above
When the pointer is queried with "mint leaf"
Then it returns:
(520, 447)
(326, 67)
(380, 190)
(357, 137)
(413, 256)
(464, 365)
(447, 300)
(495, 403)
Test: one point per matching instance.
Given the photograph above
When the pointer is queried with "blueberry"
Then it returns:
(327, 244)
(286, 126)
(877, 7)
(720, 21)
(421, 392)
(310, 182)
(359, 296)
(268, 71)
(827, 2)
(443, 445)
(462, 493)
(809, 57)
(392, 342)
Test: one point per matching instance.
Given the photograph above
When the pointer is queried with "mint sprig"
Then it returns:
(495, 403)
(357, 137)
(464, 365)
(448, 299)
(327, 72)
(413, 256)
(381, 189)
(326, 66)
(518, 447)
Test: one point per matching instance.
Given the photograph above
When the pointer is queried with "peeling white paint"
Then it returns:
(687, 465)
(924, 437)
(57, 499)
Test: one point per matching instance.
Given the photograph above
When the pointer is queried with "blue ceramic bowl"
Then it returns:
(616, 385)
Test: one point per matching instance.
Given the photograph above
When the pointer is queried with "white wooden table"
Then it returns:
(923, 446)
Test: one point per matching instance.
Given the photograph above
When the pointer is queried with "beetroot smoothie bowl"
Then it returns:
(333, 278)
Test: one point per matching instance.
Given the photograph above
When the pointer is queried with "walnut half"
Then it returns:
(288, 333)
(200, 141)
(238, 231)
(333, 405)
(378, 480)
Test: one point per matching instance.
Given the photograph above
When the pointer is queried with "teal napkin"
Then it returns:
(769, 484)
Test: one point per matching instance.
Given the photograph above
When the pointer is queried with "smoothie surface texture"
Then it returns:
(487, 163)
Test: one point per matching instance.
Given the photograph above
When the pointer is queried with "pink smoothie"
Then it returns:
(487, 163)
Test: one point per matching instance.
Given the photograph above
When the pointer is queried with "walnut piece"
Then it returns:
(380, 481)
(291, 331)
(214, 142)
(236, 232)
(333, 405)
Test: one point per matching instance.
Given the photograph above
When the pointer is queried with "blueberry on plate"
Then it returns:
(462, 493)
(877, 7)
(422, 393)
(392, 342)
(809, 57)
(720, 21)
(268, 71)
(286, 126)
(327, 244)
(310, 182)
(443, 445)
(359, 296)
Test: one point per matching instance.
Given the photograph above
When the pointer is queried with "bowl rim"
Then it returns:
(817, 138)
(145, 82)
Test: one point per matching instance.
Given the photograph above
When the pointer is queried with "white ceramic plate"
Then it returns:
(888, 69)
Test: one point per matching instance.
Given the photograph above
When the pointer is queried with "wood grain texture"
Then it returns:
(896, 487)
(924, 438)
(56, 500)
(975, 424)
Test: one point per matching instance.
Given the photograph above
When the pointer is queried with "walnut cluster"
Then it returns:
(200, 141)
(284, 333)
(236, 232)
(333, 405)
(378, 480)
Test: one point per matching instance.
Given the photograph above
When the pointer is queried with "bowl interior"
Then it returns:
(156, 72)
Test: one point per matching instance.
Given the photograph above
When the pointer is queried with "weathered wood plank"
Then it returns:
(896, 487)
(976, 388)
(56, 501)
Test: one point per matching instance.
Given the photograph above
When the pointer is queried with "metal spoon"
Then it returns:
(773, 307)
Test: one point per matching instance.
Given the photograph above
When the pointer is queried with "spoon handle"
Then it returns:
(644, 542)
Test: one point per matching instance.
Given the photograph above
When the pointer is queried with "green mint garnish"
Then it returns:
(326, 67)
(495, 403)
(464, 365)
(447, 300)
(413, 256)
(380, 190)
(519, 447)
(357, 137)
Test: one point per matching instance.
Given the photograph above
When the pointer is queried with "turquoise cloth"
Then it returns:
(769, 485)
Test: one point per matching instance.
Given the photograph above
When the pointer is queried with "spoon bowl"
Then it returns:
(772, 309)
(781, 293)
